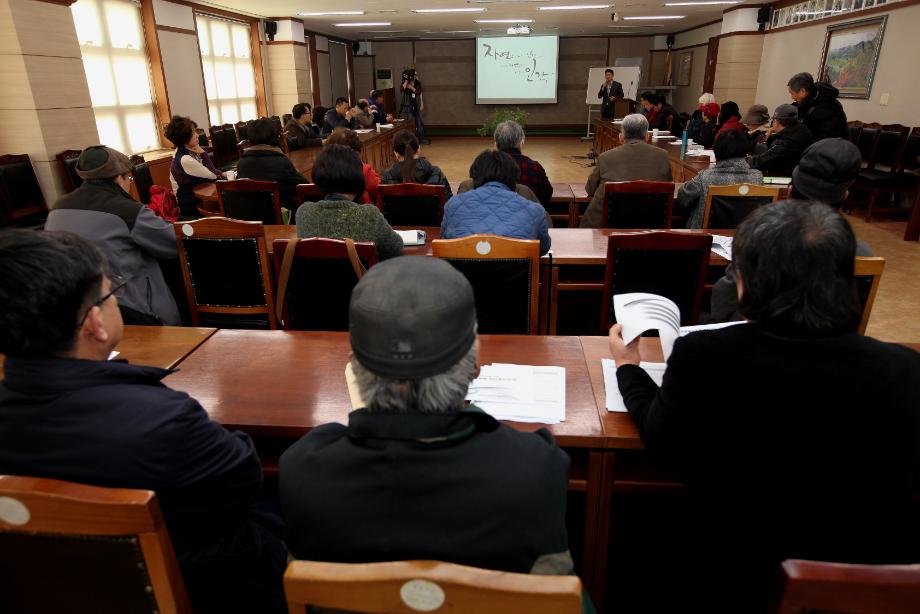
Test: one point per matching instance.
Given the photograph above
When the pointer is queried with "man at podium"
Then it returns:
(610, 92)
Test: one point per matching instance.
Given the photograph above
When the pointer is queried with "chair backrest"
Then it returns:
(67, 167)
(223, 141)
(20, 194)
(286, 118)
(319, 113)
(320, 283)
(637, 204)
(910, 159)
(202, 138)
(411, 204)
(308, 193)
(227, 273)
(505, 275)
(868, 273)
(670, 264)
(143, 180)
(72, 547)
(248, 199)
(853, 129)
(404, 587)
(728, 205)
(242, 130)
(242, 146)
(866, 141)
(889, 146)
(277, 123)
(288, 142)
(814, 586)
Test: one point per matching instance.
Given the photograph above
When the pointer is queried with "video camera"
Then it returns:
(409, 74)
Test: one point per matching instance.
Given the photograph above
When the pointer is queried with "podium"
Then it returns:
(623, 107)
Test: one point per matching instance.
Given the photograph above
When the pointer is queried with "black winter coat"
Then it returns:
(783, 151)
(823, 114)
(267, 163)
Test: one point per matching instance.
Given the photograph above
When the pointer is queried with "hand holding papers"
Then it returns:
(639, 312)
(521, 393)
(615, 400)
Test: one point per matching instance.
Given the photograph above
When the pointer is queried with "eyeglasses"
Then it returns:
(117, 286)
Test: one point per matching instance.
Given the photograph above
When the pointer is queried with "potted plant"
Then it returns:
(502, 115)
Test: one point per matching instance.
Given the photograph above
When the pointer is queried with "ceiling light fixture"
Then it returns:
(574, 7)
(656, 17)
(362, 24)
(332, 14)
(463, 10)
(503, 20)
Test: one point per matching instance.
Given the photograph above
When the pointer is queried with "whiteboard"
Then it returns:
(628, 76)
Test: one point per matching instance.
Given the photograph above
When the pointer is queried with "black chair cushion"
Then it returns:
(225, 272)
(70, 167)
(253, 206)
(412, 210)
(45, 574)
(20, 185)
(637, 210)
(502, 292)
(727, 212)
(319, 290)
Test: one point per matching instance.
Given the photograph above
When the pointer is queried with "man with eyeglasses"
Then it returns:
(69, 413)
(130, 235)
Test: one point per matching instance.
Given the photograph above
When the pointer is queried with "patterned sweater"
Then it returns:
(337, 218)
(692, 196)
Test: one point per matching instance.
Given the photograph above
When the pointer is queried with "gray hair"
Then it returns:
(509, 135)
(440, 393)
(706, 98)
(635, 127)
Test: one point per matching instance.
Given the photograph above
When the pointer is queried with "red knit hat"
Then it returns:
(711, 110)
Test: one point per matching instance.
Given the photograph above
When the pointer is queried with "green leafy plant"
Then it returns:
(502, 115)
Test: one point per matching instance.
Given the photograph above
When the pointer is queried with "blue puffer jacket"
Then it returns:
(494, 209)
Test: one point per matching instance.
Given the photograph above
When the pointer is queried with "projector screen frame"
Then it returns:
(500, 101)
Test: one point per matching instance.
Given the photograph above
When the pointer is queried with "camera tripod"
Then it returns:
(409, 110)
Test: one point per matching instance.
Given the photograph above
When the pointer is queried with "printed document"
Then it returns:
(615, 400)
(522, 393)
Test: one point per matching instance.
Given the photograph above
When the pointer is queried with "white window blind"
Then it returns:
(112, 45)
(226, 58)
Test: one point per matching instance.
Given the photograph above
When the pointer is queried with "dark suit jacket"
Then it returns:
(630, 161)
(616, 89)
(333, 120)
(790, 446)
(303, 136)
(267, 163)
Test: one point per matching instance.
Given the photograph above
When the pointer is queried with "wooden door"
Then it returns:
(712, 55)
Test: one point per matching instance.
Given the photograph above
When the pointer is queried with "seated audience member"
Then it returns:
(788, 139)
(804, 442)
(410, 167)
(349, 138)
(509, 138)
(69, 413)
(710, 126)
(825, 172)
(128, 233)
(415, 474)
(301, 127)
(363, 115)
(191, 165)
(666, 118)
(696, 120)
(730, 119)
(264, 160)
(633, 160)
(339, 174)
(378, 110)
(494, 207)
(340, 115)
(648, 100)
(467, 184)
(754, 121)
(818, 106)
(730, 167)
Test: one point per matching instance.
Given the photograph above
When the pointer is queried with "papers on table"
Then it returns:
(385, 126)
(522, 393)
(703, 153)
(777, 180)
(686, 330)
(614, 398)
(364, 130)
(639, 312)
(412, 237)
(722, 246)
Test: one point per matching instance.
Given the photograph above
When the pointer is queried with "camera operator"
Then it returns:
(411, 108)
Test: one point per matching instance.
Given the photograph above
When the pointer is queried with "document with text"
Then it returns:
(522, 393)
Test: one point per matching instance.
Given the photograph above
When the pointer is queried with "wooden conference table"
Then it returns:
(376, 150)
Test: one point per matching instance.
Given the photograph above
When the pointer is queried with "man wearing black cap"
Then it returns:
(130, 235)
(787, 140)
(415, 474)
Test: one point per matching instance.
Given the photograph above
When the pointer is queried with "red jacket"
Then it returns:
(733, 123)
(371, 181)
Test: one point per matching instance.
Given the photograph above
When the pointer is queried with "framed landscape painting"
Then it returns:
(851, 53)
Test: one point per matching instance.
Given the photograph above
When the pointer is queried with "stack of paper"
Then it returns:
(777, 180)
(686, 330)
(412, 237)
(703, 153)
(639, 312)
(614, 398)
(364, 130)
(521, 393)
(722, 246)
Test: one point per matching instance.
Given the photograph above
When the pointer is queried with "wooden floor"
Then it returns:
(896, 315)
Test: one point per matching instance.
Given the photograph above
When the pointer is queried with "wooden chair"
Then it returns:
(67, 167)
(406, 587)
(866, 141)
(309, 193)
(143, 180)
(224, 141)
(21, 200)
(74, 548)
(276, 121)
(853, 130)
(203, 139)
(242, 130)
(868, 273)
(895, 154)
(286, 118)
(411, 204)
(243, 146)
(728, 205)
(814, 586)
(249, 199)
(637, 204)
(288, 142)
(670, 264)
(227, 273)
(318, 287)
(505, 275)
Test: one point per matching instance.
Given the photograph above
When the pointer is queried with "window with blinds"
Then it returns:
(112, 45)
(226, 58)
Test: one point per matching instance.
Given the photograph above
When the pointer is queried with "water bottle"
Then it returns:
(683, 144)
